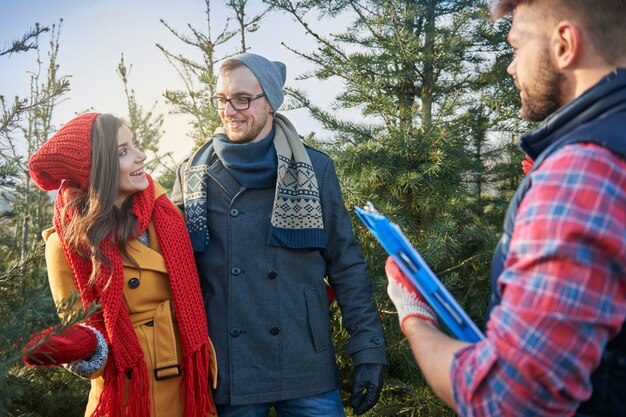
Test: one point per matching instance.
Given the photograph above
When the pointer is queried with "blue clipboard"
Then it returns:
(413, 266)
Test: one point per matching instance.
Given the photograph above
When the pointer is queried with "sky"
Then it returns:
(94, 34)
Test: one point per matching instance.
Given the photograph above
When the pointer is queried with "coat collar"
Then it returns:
(149, 258)
(602, 99)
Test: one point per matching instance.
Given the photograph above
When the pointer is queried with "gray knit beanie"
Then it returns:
(270, 74)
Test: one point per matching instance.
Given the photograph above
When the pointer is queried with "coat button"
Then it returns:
(133, 283)
(274, 331)
(233, 212)
(272, 274)
(235, 332)
(235, 271)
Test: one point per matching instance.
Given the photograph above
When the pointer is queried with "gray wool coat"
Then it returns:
(267, 307)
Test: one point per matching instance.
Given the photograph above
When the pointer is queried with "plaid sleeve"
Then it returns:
(563, 292)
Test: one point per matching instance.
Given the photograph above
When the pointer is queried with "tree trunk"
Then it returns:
(428, 82)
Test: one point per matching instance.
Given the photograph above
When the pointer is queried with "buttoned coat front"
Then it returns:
(148, 298)
(267, 307)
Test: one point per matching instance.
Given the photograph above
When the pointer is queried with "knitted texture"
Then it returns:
(297, 221)
(87, 367)
(65, 156)
(54, 346)
(113, 321)
(253, 164)
(408, 301)
(271, 75)
(195, 192)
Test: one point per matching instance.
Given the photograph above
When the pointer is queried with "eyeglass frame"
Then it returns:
(230, 101)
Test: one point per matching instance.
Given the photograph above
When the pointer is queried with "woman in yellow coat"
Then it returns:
(119, 242)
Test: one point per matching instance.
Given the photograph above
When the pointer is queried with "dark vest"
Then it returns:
(599, 116)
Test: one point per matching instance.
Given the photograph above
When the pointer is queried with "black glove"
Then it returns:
(367, 382)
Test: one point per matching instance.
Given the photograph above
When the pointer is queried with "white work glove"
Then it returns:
(408, 301)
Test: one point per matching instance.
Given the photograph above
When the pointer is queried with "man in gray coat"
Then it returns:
(267, 223)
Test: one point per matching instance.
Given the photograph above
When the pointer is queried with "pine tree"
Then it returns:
(146, 129)
(199, 77)
(31, 204)
(421, 78)
(240, 9)
(26, 305)
(12, 114)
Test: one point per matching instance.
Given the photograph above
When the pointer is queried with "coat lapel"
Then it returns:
(148, 257)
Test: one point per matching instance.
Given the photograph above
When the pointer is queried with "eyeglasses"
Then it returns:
(237, 103)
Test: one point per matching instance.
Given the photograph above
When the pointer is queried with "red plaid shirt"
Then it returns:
(563, 292)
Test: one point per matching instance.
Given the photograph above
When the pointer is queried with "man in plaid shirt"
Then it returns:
(556, 340)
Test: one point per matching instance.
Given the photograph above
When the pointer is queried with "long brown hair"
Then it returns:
(95, 216)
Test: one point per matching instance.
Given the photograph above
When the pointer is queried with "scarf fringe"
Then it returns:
(138, 403)
(112, 395)
(126, 356)
(196, 392)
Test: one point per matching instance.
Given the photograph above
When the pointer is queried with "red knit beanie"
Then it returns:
(65, 156)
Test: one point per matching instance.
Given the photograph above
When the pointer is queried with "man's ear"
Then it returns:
(566, 44)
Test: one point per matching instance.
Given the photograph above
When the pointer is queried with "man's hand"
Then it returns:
(408, 301)
(367, 382)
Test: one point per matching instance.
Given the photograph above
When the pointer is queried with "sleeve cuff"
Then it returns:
(85, 368)
(367, 350)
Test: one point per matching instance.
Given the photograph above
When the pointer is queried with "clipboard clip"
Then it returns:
(419, 273)
(369, 208)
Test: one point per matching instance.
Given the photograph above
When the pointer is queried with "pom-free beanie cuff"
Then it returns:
(270, 74)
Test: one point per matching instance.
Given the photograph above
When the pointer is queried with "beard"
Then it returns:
(542, 95)
(249, 132)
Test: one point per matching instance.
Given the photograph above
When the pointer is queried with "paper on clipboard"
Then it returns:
(419, 273)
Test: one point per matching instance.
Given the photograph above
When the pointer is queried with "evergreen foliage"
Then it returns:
(428, 82)
(26, 305)
(146, 127)
(433, 144)
(199, 75)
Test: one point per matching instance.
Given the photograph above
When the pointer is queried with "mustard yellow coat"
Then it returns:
(151, 311)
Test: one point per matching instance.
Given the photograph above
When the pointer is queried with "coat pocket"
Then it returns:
(318, 319)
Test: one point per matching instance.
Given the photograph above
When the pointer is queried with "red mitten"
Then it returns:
(527, 165)
(51, 347)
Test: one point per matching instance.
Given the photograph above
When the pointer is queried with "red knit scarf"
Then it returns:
(112, 319)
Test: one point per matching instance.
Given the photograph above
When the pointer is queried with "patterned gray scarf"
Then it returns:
(297, 220)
